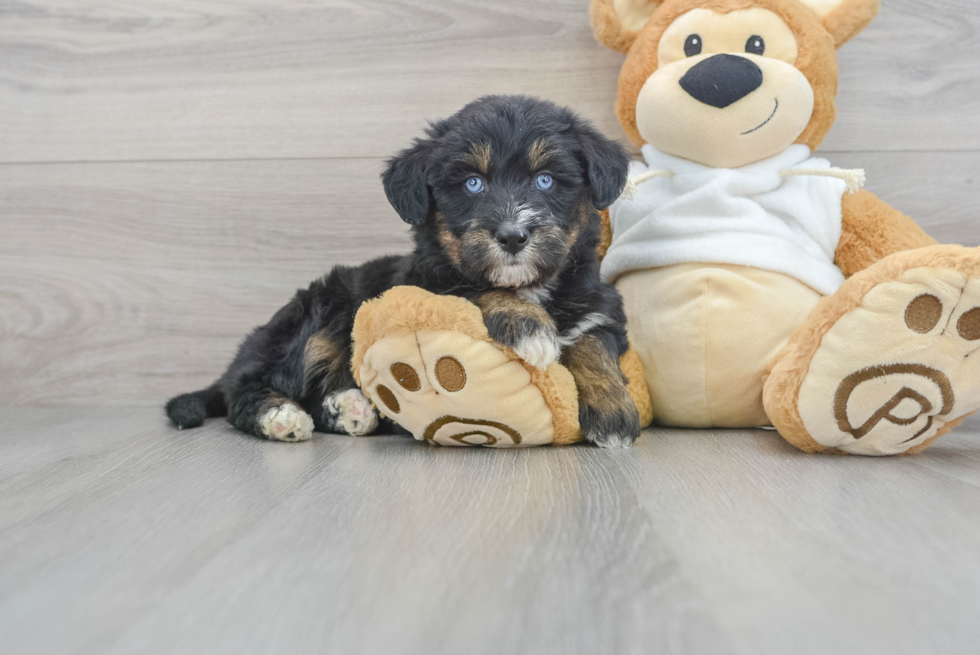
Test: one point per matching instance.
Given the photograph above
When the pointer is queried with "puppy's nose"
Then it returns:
(722, 80)
(512, 238)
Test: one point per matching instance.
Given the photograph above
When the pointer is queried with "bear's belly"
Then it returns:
(706, 335)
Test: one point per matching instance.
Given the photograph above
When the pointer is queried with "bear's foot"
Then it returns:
(428, 363)
(888, 364)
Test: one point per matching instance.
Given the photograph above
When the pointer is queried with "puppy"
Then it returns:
(502, 201)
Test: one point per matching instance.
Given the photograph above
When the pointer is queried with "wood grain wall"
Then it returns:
(170, 171)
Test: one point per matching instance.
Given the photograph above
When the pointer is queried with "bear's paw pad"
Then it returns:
(893, 371)
(450, 389)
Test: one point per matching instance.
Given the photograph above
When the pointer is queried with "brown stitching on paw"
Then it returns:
(450, 373)
(388, 398)
(969, 325)
(461, 438)
(853, 381)
(406, 376)
(430, 431)
(923, 313)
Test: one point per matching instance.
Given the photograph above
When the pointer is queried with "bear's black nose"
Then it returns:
(512, 238)
(722, 80)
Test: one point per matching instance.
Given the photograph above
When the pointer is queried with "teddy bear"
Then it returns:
(762, 287)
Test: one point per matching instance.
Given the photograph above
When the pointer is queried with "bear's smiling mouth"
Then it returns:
(766, 122)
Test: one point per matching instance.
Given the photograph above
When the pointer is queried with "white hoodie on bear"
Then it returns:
(749, 216)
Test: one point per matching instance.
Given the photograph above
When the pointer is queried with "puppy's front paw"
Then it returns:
(540, 349)
(615, 428)
(534, 341)
(287, 422)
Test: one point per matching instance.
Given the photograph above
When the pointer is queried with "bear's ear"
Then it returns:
(617, 23)
(844, 19)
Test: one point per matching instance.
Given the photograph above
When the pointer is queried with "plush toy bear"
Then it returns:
(760, 289)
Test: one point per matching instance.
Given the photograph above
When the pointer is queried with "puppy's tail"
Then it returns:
(190, 409)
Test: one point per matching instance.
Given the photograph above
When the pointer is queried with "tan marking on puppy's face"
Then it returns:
(538, 153)
(479, 156)
(448, 240)
(693, 105)
(576, 231)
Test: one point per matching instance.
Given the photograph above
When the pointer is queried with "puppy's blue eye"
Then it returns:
(545, 181)
(474, 185)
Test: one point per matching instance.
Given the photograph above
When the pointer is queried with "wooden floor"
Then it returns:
(170, 172)
(119, 534)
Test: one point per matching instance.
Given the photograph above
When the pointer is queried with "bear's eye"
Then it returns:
(755, 45)
(693, 45)
(474, 185)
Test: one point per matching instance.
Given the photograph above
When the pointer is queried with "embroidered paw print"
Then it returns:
(913, 352)
(450, 376)
(450, 389)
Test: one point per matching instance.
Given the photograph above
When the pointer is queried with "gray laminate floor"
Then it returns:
(121, 535)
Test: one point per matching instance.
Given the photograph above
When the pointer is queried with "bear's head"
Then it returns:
(727, 83)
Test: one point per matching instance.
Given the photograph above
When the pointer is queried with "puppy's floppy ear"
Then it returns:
(406, 182)
(617, 23)
(606, 165)
(844, 19)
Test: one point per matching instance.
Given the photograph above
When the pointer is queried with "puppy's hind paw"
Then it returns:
(286, 422)
(350, 412)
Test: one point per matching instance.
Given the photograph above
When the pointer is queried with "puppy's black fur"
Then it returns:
(524, 251)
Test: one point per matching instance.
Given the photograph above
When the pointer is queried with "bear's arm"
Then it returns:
(872, 230)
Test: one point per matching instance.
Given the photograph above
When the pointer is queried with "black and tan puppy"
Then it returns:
(502, 200)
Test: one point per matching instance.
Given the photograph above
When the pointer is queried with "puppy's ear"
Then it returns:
(606, 165)
(406, 182)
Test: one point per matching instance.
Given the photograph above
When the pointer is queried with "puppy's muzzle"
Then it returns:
(512, 238)
(722, 80)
